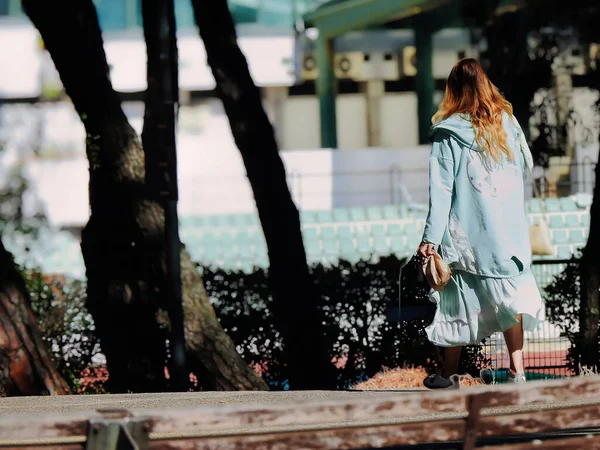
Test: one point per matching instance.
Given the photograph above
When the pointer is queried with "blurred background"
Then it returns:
(352, 129)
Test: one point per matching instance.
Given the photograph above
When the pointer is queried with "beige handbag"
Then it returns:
(437, 272)
(539, 234)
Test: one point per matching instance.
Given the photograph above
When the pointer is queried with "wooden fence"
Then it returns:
(467, 416)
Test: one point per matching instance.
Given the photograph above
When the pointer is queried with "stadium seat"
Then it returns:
(534, 205)
(341, 215)
(309, 234)
(391, 212)
(397, 246)
(552, 205)
(308, 217)
(328, 234)
(567, 204)
(324, 216)
(377, 230)
(374, 213)
(380, 246)
(560, 237)
(344, 232)
(357, 214)
(557, 221)
(572, 221)
(577, 236)
(394, 229)
(564, 252)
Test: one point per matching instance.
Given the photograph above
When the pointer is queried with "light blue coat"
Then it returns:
(476, 206)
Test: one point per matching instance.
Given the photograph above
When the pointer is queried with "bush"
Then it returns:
(563, 298)
(68, 329)
(354, 302)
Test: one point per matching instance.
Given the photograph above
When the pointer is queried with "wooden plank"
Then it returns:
(570, 443)
(325, 439)
(394, 407)
(540, 421)
(381, 407)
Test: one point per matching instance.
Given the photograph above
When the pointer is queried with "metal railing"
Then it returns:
(545, 350)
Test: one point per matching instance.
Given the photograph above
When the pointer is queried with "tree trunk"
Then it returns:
(123, 244)
(25, 367)
(296, 299)
(589, 270)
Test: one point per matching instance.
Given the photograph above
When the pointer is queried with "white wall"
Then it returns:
(399, 125)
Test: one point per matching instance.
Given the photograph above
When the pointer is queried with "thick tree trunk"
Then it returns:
(123, 243)
(296, 300)
(589, 269)
(25, 367)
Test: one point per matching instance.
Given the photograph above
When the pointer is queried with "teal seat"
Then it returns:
(253, 220)
(208, 238)
(557, 222)
(260, 251)
(247, 266)
(397, 246)
(262, 262)
(409, 228)
(572, 221)
(577, 236)
(363, 246)
(361, 232)
(391, 212)
(534, 205)
(225, 239)
(240, 220)
(357, 214)
(330, 249)
(308, 217)
(564, 252)
(567, 204)
(583, 200)
(585, 220)
(309, 234)
(341, 215)
(313, 251)
(347, 247)
(404, 211)
(344, 232)
(210, 254)
(242, 237)
(377, 230)
(347, 251)
(324, 217)
(552, 205)
(380, 246)
(231, 264)
(374, 213)
(328, 234)
(245, 253)
(560, 237)
(394, 229)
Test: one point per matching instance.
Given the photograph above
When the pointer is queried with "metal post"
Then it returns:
(162, 99)
(425, 82)
(326, 90)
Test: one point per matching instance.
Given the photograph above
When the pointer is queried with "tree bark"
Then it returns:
(296, 299)
(25, 366)
(122, 244)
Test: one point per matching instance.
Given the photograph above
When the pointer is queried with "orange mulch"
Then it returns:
(407, 377)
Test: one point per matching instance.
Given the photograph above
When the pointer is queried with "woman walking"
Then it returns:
(477, 222)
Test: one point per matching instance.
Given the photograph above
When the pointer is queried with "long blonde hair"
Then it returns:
(470, 91)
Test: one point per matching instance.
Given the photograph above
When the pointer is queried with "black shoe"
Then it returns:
(439, 382)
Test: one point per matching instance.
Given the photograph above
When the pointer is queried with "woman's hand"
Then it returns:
(425, 250)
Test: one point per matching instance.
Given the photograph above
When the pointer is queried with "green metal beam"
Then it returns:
(425, 82)
(340, 17)
(326, 90)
